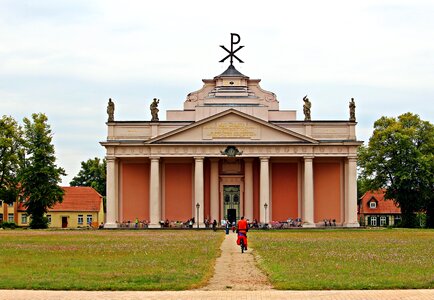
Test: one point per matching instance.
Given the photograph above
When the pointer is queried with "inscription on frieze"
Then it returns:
(232, 130)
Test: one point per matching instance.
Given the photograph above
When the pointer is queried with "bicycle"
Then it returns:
(242, 245)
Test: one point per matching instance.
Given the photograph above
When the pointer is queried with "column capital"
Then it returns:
(110, 158)
(154, 158)
(308, 157)
(198, 158)
(352, 158)
(264, 158)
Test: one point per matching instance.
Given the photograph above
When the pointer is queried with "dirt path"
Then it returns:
(236, 271)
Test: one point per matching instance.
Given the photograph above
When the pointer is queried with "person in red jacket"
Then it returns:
(242, 229)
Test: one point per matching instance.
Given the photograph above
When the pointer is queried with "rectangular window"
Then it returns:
(373, 221)
(80, 220)
(89, 220)
(1, 202)
(24, 219)
(10, 204)
(49, 218)
(1, 217)
(373, 204)
(10, 217)
(383, 221)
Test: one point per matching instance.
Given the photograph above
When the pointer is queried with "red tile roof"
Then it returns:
(383, 206)
(76, 198)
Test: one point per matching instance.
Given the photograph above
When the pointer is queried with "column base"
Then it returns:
(351, 225)
(158, 225)
(308, 225)
(111, 225)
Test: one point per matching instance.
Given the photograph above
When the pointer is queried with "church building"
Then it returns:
(231, 152)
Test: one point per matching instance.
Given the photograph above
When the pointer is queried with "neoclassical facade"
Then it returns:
(230, 153)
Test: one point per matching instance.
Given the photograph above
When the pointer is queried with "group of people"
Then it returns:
(135, 224)
(329, 222)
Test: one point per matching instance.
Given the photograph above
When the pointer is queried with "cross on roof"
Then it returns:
(232, 52)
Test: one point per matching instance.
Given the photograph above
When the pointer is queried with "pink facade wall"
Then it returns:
(178, 191)
(327, 191)
(135, 191)
(284, 191)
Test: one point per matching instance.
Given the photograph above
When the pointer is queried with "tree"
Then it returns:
(93, 174)
(399, 158)
(39, 175)
(11, 154)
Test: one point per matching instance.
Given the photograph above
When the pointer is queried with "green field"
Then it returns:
(107, 260)
(184, 259)
(346, 259)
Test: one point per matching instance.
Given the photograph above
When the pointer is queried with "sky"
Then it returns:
(66, 58)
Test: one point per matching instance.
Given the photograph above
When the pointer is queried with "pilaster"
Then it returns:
(351, 193)
(112, 195)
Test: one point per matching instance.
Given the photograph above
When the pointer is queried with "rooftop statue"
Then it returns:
(306, 108)
(154, 109)
(352, 110)
(111, 110)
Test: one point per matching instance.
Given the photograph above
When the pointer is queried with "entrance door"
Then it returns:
(64, 222)
(231, 202)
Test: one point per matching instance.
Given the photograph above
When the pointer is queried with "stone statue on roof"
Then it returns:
(352, 110)
(306, 108)
(154, 109)
(110, 110)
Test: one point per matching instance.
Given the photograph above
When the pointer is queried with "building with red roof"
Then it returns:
(81, 207)
(374, 210)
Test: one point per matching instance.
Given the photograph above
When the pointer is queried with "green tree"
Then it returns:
(399, 158)
(11, 154)
(93, 174)
(39, 175)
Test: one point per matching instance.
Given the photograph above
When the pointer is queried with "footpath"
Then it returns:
(236, 277)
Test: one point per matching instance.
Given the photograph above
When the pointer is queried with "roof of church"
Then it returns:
(231, 72)
(76, 198)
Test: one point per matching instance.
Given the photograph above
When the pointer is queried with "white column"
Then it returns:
(111, 193)
(198, 190)
(264, 195)
(351, 194)
(308, 208)
(154, 193)
(214, 190)
(248, 189)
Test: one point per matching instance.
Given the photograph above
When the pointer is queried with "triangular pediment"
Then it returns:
(231, 126)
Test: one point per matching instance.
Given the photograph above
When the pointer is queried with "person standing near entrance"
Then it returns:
(242, 229)
(227, 226)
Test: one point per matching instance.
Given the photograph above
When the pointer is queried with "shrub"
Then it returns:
(10, 225)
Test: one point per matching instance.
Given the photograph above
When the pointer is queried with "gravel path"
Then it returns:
(236, 271)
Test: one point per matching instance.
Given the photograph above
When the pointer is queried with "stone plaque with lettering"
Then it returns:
(231, 130)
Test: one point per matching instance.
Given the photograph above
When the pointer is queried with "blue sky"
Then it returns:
(66, 58)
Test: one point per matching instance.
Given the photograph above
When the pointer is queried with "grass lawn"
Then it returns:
(107, 260)
(346, 259)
